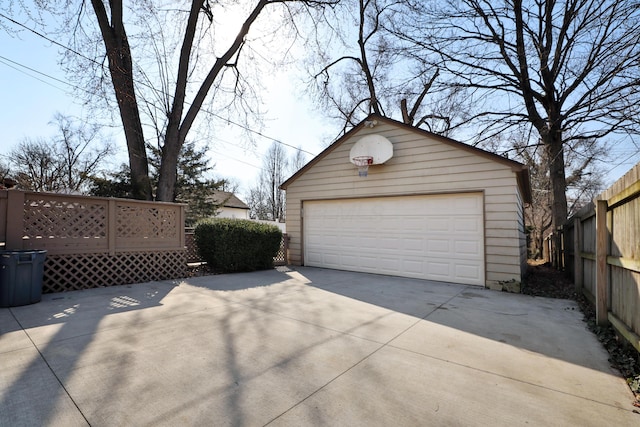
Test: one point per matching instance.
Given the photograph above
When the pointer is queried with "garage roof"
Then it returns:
(521, 171)
(228, 200)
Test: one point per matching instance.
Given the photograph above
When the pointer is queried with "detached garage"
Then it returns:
(414, 204)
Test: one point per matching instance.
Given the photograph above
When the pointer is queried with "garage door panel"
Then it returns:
(439, 268)
(467, 203)
(438, 224)
(349, 261)
(467, 247)
(466, 271)
(431, 237)
(466, 225)
(314, 257)
(410, 224)
(369, 262)
(413, 245)
(388, 225)
(330, 260)
(367, 242)
(350, 242)
(390, 243)
(325, 241)
(413, 267)
(390, 265)
(438, 247)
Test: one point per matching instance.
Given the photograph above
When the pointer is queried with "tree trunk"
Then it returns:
(557, 178)
(121, 70)
(166, 190)
(553, 142)
(138, 162)
(178, 126)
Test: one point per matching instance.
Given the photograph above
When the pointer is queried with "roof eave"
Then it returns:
(521, 171)
(324, 152)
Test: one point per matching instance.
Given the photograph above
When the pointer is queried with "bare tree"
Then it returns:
(584, 182)
(76, 151)
(36, 166)
(63, 163)
(352, 82)
(569, 68)
(194, 67)
(376, 74)
(256, 200)
(229, 185)
(265, 199)
(297, 161)
(4, 171)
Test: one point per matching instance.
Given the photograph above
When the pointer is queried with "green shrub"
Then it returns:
(230, 245)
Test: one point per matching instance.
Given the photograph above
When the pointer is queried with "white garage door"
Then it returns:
(429, 237)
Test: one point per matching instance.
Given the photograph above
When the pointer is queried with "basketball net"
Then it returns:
(363, 162)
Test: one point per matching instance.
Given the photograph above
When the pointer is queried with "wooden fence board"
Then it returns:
(605, 244)
(589, 275)
(95, 241)
(3, 215)
(602, 246)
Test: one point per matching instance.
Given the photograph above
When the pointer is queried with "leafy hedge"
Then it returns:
(231, 245)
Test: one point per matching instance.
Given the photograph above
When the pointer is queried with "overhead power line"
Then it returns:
(37, 33)
(75, 52)
(17, 66)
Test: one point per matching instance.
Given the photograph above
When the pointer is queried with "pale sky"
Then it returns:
(30, 100)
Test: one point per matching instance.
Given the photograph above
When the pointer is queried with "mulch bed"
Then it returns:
(197, 269)
(542, 280)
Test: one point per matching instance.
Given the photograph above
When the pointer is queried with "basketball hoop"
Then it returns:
(363, 162)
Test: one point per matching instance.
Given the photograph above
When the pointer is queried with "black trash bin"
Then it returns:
(21, 277)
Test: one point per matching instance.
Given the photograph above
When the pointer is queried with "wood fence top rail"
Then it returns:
(625, 187)
(4, 194)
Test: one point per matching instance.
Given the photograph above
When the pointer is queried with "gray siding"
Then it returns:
(420, 165)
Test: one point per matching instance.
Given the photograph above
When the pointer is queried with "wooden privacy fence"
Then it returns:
(94, 241)
(600, 249)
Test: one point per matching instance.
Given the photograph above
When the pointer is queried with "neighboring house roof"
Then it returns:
(521, 171)
(228, 200)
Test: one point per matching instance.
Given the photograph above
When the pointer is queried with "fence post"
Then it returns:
(286, 249)
(546, 250)
(562, 261)
(577, 256)
(556, 248)
(181, 227)
(111, 226)
(601, 262)
(15, 220)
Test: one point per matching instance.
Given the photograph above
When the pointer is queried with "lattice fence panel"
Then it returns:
(151, 222)
(86, 271)
(48, 217)
(192, 249)
(281, 256)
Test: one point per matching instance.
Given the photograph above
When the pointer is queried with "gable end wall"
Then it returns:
(420, 165)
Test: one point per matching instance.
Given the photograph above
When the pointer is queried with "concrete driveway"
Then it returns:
(304, 347)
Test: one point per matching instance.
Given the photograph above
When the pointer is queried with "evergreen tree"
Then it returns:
(192, 187)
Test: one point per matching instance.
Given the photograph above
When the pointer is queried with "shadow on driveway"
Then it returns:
(302, 346)
(550, 327)
(32, 388)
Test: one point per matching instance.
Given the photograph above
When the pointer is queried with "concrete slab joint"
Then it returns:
(304, 346)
